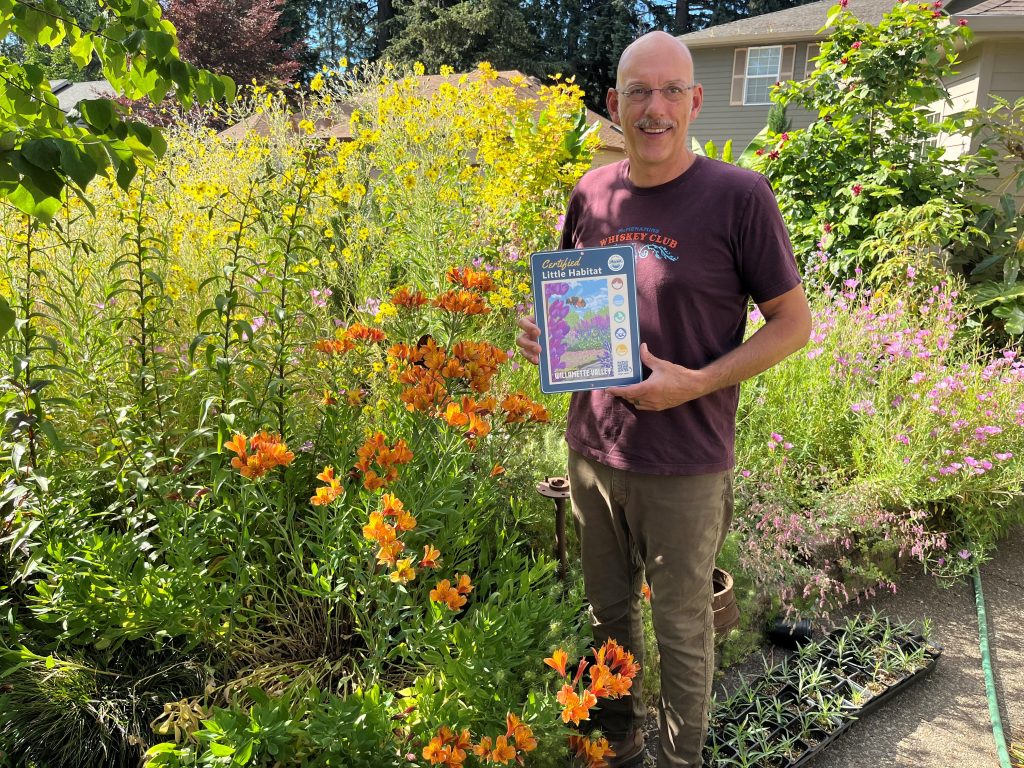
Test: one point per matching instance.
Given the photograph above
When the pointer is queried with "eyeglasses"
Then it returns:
(638, 94)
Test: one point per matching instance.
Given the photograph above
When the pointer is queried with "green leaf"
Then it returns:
(30, 200)
(126, 171)
(6, 316)
(77, 164)
(98, 113)
(82, 50)
(42, 153)
(158, 44)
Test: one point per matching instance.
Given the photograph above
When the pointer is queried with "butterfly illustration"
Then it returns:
(577, 301)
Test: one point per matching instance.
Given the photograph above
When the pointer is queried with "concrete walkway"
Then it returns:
(943, 721)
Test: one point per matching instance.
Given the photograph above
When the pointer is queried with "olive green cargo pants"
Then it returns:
(669, 528)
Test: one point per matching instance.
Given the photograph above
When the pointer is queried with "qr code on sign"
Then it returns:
(623, 366)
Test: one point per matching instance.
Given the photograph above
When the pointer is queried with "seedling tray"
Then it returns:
(842, 692)
(876, 701)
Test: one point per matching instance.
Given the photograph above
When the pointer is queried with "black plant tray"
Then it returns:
(851, 711)
(876, 701)
(934, 651)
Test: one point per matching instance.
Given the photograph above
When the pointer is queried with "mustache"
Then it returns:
(650, 124)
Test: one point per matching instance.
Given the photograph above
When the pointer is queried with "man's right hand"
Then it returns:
(528, 341)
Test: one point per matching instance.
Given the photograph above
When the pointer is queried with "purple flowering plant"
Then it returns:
(893, 435)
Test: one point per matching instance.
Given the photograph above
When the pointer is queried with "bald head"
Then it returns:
(655, 45)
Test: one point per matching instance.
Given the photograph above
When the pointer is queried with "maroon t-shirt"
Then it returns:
(706, 242)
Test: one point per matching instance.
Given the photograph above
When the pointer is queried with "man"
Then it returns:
(650, 465)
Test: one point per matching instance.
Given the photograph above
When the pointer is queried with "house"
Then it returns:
(69, 94)
(610, 149)
(738, 62)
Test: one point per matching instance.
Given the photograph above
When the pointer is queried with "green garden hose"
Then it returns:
(990, 680)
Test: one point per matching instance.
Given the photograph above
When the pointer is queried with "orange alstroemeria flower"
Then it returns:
(325, 495)
(483, 406)
(405, 521)
(445, 593)
(519, 408)
(372, 481)
(330, 492)
(520, 733)
(404, 572)
(334, 346)
(483, 749)
(436, 752)
(430, 557)
(617, 658)
(606, 684)
(593, 751)
(454, 416)
(452, 369)
(237, 444)
(557, 661)
(391, 505)
(265, 452)
(478, 427)
(408, 298)
(360, 332)
(389, 551)
(463, 301)
(433, 357)
(503, 752)
(464, 586)
(575, 707)
(471, 279)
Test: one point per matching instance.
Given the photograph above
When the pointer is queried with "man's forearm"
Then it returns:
(776, 340)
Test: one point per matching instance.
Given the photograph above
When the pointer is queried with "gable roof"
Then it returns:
(428, 85)
(69, 94)
(805, 22)
(802, 22)
(989, 8)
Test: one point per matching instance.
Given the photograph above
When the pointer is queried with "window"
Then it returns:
(762, 73)
(932, 140)
(756, 70)
(813, 51)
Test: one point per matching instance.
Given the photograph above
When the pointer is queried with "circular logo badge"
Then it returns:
(620, 317)
(617, 283)
(621, 349)
(615, 263)
(620, 333)
(618, 300)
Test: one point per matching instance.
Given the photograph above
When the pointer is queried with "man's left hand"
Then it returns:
(668, 385)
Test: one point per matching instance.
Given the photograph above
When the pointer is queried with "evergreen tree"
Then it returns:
(462, 34)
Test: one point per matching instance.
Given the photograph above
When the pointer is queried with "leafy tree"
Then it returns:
(866, 178)
(57, 62)
(238, 38)
(41, 152)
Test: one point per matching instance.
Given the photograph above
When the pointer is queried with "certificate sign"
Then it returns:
(585, 302)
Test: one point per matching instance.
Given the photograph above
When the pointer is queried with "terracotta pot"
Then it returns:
(727, 613)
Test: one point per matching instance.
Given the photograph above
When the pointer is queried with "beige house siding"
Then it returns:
(1007, 69)
(718, 121)
(963, 88)
(1002, 63)
(605, 156)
